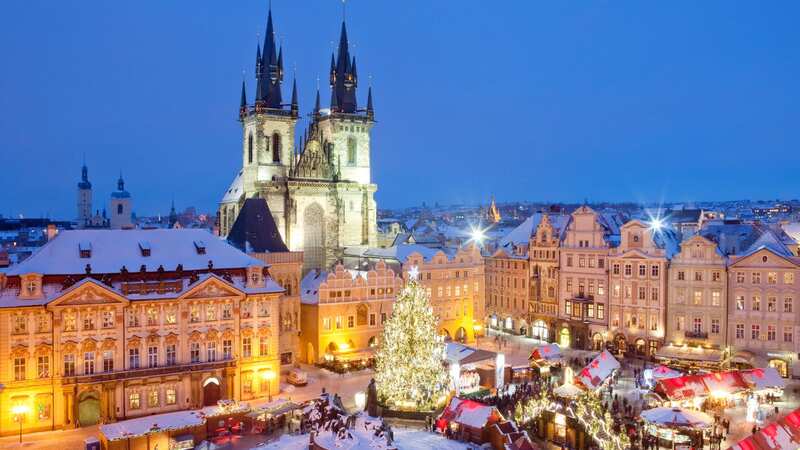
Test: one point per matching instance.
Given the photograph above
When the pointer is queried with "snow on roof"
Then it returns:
(523, 232)
(792, 230)
(593, 375)
(309, 286)
(235, 190)
(770, 240)
(142, 426)
(469, 412)
(112, 249)
(766, 378)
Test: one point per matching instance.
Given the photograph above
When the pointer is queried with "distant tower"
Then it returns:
(493, 214)
(173, 216)
(84, 198)
(121, 208)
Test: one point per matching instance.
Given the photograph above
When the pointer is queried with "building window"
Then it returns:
(698, 297)
(715, 276)
(108, 361)
(227, 349)
(43, 366)
(171, 317)
(788, 278)
(616, 290)
(88, 363)
(654, 270)
(152, 357)
(133, 358)
(772, 278)
(615, 269)
(628, 270)
(211, 351)
(740, 302)
(383, 318)
(326, 323)
(263, 346)
(134, 401)
(133, 318)
(108, 319)
(642, 270)
(171, 397)
(716, 298)
(338, 322)
(194, 352)
(372, 319)
(171, 355)
(69, 365)
(211, 313)
(788, 334)
(642, 293)
(698, 276)
(569, 284)
(351, 151)
(20, 324)
(756, 303)
(152, 398)
(88, 322)
(771, 332)
(681, 275)
(569, 260)
(351, 321)
(680, 323)
(654, 294)
(628, 291)
(739, 331)
(697, 325)
(740, 277)
(755, 332)
(788, 305)
(276, 147)
(590, 310)
(19, 369)
(772, 304)
(227, 311)
(247, 384)
(250, 148)
(194, 314)
(568, 308)
(152, 316)
(714, 326)
(755, 278)
(263, 309)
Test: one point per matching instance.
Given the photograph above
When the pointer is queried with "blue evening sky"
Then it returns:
(555, 101)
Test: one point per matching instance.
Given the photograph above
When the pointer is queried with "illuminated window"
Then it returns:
(263, 346)
(152, 357)
(326, 323)
(69, 365)
(88, 322)
(171, 396)
(788, 305)
(43, 366)
(211, 351)
(788, 278)
(772, 278)
(19, 369)
(227, 311)
(211, 313)
(152, 316)
(227, 349)
(740, 277)
(152, 399)
(716, 297)
(772, 304)
(601, 311)
(20, 324)
(740, 302)
(133, 318)
(108, 361)
(755, 278)
(194, 314)
(351, 151)
(171, 317)
(698, 297)
(134, 401)
(194, 352)
(756, 303)
(108, 319)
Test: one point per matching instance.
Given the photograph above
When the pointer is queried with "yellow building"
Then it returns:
(102, 325)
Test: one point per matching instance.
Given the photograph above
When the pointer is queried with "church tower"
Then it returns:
(268, 125)
(121, 207)
(84, 198)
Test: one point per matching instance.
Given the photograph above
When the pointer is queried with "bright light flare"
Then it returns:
(477, 235)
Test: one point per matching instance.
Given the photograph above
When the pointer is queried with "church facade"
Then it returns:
(318, 187)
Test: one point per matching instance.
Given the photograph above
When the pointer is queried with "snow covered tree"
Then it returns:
(409, 365)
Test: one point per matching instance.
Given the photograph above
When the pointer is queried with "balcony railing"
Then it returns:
(696, 334)
(150, 372)
(152, 287)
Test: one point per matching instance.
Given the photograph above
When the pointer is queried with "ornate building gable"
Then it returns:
(211, 287)
(698, 249)
(766, 257)
(88, 292)
(314, 161)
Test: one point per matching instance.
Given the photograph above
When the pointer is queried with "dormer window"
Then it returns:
(85, 249)
(31, 287)
(200, 247)
(144, 248)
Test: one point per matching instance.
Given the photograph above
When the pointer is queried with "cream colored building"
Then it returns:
(343, 312)
(102, 325)
(543, 253)
(697, 297)
(584, 279)
(508, 288)
(638, 284)
(763, 318)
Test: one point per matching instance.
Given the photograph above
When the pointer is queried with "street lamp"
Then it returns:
(19, 412)
(476, 329)
(268, 376)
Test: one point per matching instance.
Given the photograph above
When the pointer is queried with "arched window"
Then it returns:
(250, 148)
(276, 147)
(119, 208)
(351, 151)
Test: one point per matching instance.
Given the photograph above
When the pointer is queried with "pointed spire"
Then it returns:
(295, 106)
(353, 70)
(333, 70)
(120, 182)
(84, 183)
(258, 61)
(370, 110)
(243, 101)
(280, 63)
(316, 103)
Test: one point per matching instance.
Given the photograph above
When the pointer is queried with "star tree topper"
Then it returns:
(413, 273)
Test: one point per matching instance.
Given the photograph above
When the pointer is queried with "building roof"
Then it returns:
(309, 286)
(112, 249)
(255, 229)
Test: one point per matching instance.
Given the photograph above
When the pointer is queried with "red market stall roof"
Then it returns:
(545, 352)
(597, 371)
(469, 413)
(783, 434)
(729, 382)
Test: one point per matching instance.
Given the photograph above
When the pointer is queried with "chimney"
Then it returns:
(52, 231)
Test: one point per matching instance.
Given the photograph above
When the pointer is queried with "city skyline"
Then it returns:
(532, 74)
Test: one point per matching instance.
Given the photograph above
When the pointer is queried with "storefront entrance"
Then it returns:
(211, 392)
(564, 338)
(89, 409)
(597, 341)
(540, 330)
(781, 366)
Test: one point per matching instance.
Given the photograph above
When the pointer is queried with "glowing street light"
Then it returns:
(268, 376)
(19, 412)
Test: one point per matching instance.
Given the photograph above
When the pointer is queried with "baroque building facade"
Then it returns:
(320, 194)
(106, 325)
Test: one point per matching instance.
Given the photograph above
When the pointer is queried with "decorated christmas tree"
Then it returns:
(409, 364)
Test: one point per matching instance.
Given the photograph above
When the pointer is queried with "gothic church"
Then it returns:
(318, 191)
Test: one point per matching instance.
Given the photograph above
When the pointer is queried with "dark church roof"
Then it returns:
(255, 229)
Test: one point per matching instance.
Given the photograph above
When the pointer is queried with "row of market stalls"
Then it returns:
(183, 430)
(784, 434)
(689, 388)
(472, 421)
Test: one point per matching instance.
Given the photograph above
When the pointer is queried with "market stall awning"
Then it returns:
(470, 413)
(682, 388)
(763, 379)
(725, 383)
(597, 371)
(781, 435)
(689, 353)
(662, 373)
(545, 353)
(677, 417)
(142, 426)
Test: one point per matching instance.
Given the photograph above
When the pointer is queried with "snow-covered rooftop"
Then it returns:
(112, 249)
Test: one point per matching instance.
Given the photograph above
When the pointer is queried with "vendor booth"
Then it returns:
(783, 434)
(181, 429)
(692, 357)
(471, 369)
(673, 427)
(597, 371)
(469, 420)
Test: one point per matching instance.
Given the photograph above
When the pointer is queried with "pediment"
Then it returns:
(634, 254)
(212, 287)
(756, 259)
(89, 293)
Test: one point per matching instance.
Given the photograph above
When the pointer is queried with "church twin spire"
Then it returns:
(269, 79)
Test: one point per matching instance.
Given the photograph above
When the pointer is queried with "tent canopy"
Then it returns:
(596, 372)
(677, 417)
(719, 383)
(781, 435)
(545, 352)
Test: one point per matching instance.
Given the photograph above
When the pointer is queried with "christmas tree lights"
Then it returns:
(409, 365)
